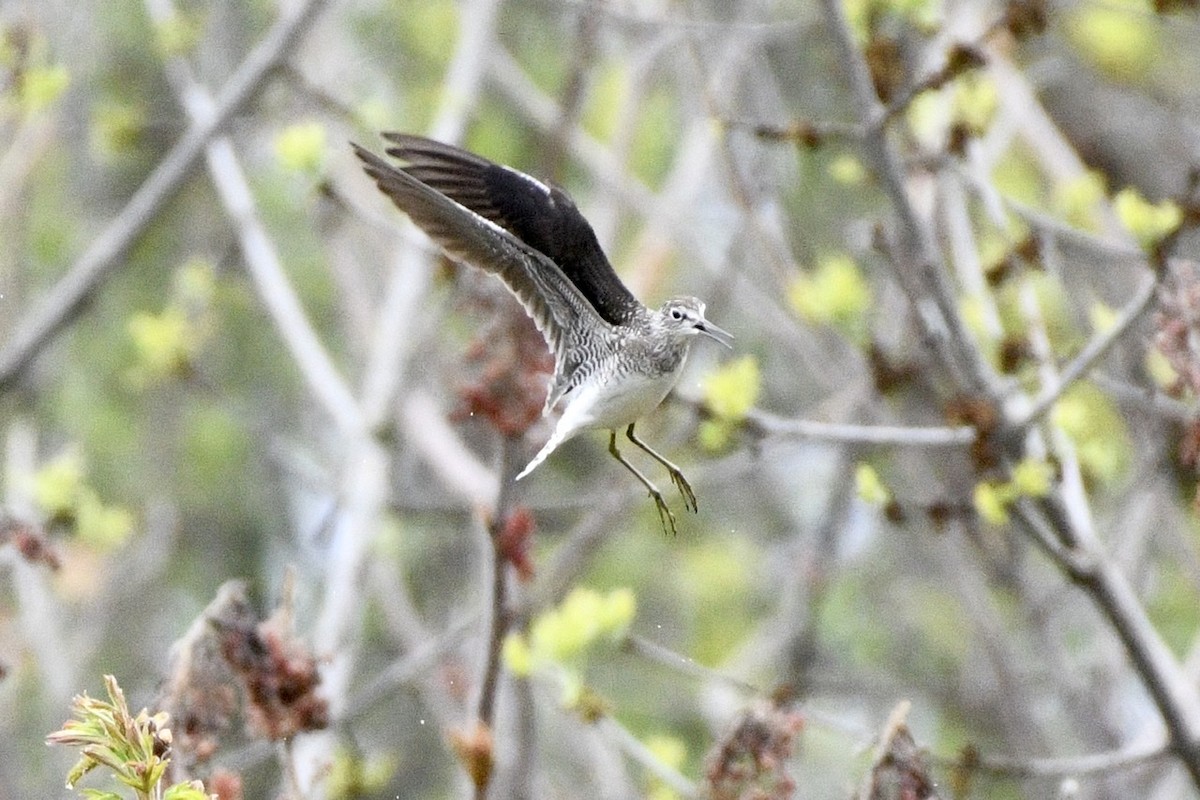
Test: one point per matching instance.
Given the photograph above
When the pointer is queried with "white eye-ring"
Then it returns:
(676, 313)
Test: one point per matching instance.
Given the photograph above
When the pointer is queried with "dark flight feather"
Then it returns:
(543, 217)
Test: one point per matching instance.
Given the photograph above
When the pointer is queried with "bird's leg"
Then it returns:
(665, 517)
(685, 488)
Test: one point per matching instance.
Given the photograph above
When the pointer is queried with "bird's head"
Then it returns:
(684, 316)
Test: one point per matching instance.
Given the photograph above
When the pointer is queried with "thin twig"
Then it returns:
(633, 747)
(499, 614)
(847, 433)
(1089, 356)
(1069, 766)
(105, 254)
(408, 668)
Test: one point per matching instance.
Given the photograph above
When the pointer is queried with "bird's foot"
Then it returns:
(665, 517)
(685, 489)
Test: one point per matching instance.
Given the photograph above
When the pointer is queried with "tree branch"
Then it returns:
(104, 256)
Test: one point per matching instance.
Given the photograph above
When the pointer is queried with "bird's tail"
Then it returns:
(555, 440)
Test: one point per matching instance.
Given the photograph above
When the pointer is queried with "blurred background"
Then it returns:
(949, 463)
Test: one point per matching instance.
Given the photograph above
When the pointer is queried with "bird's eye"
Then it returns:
(676, 313)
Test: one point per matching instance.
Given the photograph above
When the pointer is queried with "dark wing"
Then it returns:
(541, 216)
(567, 320)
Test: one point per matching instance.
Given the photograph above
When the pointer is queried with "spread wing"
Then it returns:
(566, 319)
(541, 216)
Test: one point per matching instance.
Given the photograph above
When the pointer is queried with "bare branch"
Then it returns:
(1072, 766)
(846, 433)
(633, 747)
(1089, 356)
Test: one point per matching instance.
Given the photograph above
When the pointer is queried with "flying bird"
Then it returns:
(615, 360)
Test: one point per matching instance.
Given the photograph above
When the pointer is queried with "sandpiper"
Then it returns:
(615, 359)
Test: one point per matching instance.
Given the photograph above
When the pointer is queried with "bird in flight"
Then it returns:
(615, 360)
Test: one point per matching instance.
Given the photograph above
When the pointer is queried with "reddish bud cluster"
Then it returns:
(900, 771)
(515, 539)
(225, 785)
(511, 363)
(229, 645)
(30, 542)
(1178, 323)
(1178, 338)
(750, 762)
(279, 676)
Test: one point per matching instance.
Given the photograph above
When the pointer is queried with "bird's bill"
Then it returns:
(713, 332)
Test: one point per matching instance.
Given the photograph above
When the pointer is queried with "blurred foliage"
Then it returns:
(173, 393)
(1094, 424)
(178, 35)
(1117, 36)
(1028, 478)
(869, 486)
(835, 293)
(42, 86)
(352, 775)
(1174, 608)
(117, 129)
(1078, 201)
(730, 392)
(670, 751)
(63, 495)
(1148, 222)
(302, 147)
(560, 639)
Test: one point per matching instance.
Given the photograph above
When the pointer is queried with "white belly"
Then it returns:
(616, 404)
(608, 404)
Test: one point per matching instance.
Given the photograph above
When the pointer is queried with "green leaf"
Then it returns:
(517, 655)
(193, 790)
(608, 87)
(715, 434)
(351, 775)
(731, 391)
(430, 27)
(1118, 37)
(57, 486)
(563, 634)
(1095, 426)
(835, 293)
(1077, 200)
(103, 526)
(163, 343)
(990, 503)
(975, 101)
(617, 612)
(1102, 316)
(116, 128)
(1148, 222)
(1159, 368)
(177, 35)
(301, 147)
(41, 86)
(847, 170)
(1032, 477)
(670, 751)
(869, 486)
